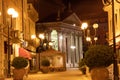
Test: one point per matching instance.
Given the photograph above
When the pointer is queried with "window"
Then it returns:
(54, 39)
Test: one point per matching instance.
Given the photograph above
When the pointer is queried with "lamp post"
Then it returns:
(115, 64)
(87, 36)
(95, 26)
(84, 27)
(44, 45)
(41, 36)
(33, 37)
(116, 73)
(12, 14)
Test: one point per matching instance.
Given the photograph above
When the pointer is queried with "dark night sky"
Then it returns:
(80, 7)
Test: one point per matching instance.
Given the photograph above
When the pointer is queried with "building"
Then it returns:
(66, 36)
(116, 12)
(15, 33)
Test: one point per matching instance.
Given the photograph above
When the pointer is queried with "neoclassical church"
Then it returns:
(66, 36)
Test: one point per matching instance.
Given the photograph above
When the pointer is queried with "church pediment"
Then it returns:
(72, 19)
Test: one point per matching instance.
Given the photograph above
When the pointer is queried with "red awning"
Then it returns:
(24, 53)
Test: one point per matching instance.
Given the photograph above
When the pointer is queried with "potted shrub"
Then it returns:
(97, 58)
(82, 66)
(19, 71)
(45, 64)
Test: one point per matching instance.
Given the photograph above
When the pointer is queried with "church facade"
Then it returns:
(66, 37)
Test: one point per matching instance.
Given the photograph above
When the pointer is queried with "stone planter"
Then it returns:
(2, 78)
(45, 70)
(18, 74)
(100, 73)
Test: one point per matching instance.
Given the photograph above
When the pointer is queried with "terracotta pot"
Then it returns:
(45, 70)
(2, 78)
(100, 73)
(18, 74)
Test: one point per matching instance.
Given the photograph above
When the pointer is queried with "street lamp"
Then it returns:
(84, 26)
(95, 26)
(41, 36)
(13, 14)
(33, 40)
(33, 36)
(44, 45)
(88, 38)
(40, 47)
(115, 64)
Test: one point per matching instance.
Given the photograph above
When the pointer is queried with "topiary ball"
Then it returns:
(45, 62)
(99, 56)
(19, 62)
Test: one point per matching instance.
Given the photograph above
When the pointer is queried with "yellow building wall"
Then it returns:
(1, 42)
(22, 23)
(117, 21)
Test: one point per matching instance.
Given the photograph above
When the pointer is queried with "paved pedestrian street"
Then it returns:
(71, 74)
